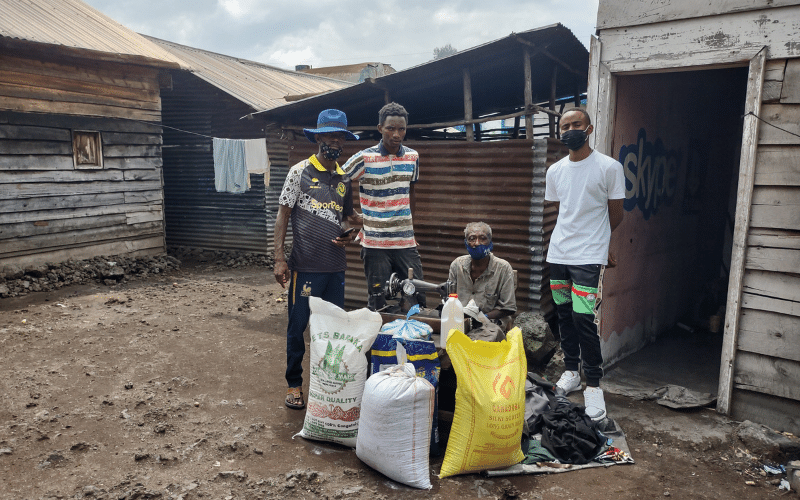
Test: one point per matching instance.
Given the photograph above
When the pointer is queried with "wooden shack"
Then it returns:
(80, 135)
(701, 104)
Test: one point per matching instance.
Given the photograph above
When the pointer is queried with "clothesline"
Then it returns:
(234, 160)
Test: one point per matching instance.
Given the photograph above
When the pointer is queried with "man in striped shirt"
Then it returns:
(386, 174)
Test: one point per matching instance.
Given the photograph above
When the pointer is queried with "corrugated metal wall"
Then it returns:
(500, 183)
(196, 214)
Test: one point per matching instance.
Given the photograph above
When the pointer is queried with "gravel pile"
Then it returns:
(222, 258)
(16, 281)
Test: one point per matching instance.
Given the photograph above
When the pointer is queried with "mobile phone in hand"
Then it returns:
(347, 232)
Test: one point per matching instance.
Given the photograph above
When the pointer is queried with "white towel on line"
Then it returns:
(235, 160)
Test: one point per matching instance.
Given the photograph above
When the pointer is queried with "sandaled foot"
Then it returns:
(294, 398)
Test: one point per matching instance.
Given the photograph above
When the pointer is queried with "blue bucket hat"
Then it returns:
(330, 120)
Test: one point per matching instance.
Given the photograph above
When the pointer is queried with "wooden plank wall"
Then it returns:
(726, 39)
(49, 211)
(619, 13)
(767, 362)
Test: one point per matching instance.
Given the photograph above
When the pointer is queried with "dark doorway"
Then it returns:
(693, 118)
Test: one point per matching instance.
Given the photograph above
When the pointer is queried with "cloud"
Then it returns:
(337, 32)
(289, 58)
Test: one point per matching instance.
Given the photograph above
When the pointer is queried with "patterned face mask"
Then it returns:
(330, 153)
(480, 251)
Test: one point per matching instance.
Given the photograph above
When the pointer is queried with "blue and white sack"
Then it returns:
(408, 329)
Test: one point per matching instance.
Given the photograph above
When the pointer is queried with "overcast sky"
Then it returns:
(332, 33)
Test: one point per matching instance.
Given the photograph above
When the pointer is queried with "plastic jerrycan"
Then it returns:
(452, 317)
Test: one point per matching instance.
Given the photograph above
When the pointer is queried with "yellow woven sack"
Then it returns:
(490, 404)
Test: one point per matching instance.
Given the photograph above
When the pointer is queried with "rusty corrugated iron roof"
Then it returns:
(73, 24)
(261, 86)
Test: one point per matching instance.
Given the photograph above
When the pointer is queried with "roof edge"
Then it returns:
(95, 55)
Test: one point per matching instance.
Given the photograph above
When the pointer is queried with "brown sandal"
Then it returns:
(294, 398)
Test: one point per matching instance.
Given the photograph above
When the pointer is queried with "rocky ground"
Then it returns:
(166, 381)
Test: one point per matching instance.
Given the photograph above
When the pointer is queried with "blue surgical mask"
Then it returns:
(480, 251)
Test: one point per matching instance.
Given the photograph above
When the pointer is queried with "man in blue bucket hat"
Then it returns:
(319, 200)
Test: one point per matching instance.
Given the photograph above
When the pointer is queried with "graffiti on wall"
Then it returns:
(651, 175)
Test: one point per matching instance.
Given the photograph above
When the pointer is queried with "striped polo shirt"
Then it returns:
(319, 200)
(384, 185)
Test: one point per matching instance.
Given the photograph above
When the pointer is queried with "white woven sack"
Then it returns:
(339, 343)
(394, 435)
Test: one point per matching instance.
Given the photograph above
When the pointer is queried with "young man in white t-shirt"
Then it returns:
(588, 189)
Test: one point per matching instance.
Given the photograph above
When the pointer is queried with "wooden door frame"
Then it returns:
(601, 100)
(744, 199)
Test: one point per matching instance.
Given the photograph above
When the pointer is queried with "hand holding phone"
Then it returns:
(347, 232)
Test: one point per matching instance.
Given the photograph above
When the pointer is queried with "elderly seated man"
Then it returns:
(483, 277)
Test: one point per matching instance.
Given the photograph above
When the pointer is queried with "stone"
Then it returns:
(36, 271)
(112, 272)
(539, 341)
(4, 291)
(555, 367)
(5, 451)
(13, 272)
(91, 491)
(235, 474)
(80, 447)
(353, 490)
(761, 440)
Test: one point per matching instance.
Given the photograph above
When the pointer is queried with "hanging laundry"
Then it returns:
(256, 158)
(230, 171)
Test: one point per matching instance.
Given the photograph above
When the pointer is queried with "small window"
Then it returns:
(87, 149)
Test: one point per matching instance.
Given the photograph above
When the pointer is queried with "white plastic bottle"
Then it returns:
(452, 318)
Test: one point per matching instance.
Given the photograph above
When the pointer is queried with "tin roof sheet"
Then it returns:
(75, 25)
(261, 86)
(433, 92)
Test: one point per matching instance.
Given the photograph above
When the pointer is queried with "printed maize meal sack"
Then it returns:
(490, 404)
(339, 343)
(394, 431)
(420, 353)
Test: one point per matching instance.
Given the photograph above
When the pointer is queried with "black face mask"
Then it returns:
(574, 139)
(330, 153)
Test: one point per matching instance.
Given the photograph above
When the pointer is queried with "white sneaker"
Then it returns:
(595, 403)
(570, 381)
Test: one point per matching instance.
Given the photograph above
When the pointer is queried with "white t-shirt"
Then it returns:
(583, 188)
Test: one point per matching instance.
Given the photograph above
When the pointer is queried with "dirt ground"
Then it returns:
(172, 388)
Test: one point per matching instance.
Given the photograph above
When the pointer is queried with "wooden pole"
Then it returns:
(530, 109)
(552, 118)
(744, 199)
(528, 93)
(468, 106)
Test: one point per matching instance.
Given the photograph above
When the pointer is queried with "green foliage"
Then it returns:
(441, 52)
